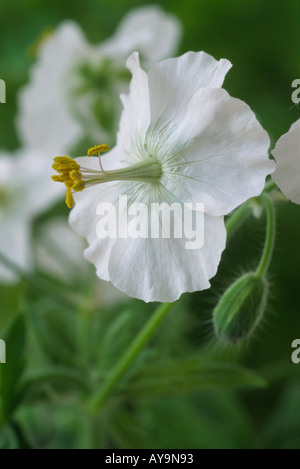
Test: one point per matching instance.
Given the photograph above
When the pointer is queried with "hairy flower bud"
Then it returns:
(240, 308)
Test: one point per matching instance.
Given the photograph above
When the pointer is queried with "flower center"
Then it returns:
(76, 177)
(99, 81)
(5, 198)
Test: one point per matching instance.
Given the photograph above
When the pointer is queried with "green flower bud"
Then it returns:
(240, 308)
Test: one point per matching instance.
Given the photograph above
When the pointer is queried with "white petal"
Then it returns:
(135, 118)
(28, 190)
(150, 269)
(26, 177)
(221, 153)
(39, 191)
(173, 82)
(147, 29)
(45, 119)
(287, 156)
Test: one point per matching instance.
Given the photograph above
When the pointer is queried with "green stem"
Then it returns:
(20, 435)
(236, 218)
(97, 401)
(270, 237)
(241, 212)
(270, 186)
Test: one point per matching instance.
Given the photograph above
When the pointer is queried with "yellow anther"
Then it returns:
(69, 198)
(69, 174)
(64, 163)
(78, 186)
(97, 149)
(56, 178)
(76, 175)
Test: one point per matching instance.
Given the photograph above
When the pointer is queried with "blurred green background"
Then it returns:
(262, 40)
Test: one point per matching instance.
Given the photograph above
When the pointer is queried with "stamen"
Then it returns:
(76, 177)
(69, 198)
(95, 150)
(79, 186)
(69, 174)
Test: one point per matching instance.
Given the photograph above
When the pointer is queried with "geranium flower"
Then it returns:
(182, 140)
(25, 191)
(287, 156)
(74, 86)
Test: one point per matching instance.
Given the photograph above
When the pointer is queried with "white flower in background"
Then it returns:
(147, 29)
(182, 139)
(74, 88)
(287, 157)
(25, 191)
(68, 263)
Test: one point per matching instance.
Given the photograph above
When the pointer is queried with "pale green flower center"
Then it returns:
(101, 81)
(3, 196)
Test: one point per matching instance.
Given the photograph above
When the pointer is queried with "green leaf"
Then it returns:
(54, 332)
(63, 377)
(117, 334)
(190, 376)
(11, 371)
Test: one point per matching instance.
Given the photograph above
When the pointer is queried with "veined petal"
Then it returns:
(162, 269)
(218, 155)
(152, 269)
(287, 156)
(135, 118)
(173, 82)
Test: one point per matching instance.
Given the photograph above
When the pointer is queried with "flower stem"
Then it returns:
(270, 185)
(237, 217)
(97, 401)
(270, 237)
(241, 212)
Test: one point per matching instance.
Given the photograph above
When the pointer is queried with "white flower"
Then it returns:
(287, 157)
(182, 139)
(25, 191)
(74, 86)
